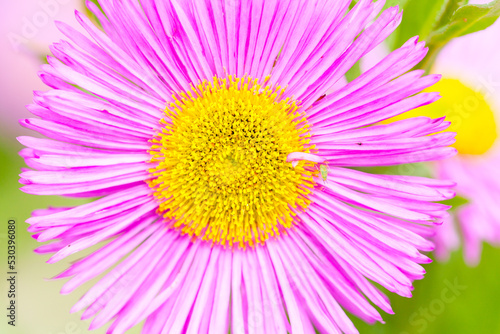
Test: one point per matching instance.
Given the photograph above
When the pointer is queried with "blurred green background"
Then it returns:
(453, 298)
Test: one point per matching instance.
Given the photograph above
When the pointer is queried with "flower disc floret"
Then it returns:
(221, 171)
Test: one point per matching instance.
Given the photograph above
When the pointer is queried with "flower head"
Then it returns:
(476, 112)
(470, 102)
(216, 135)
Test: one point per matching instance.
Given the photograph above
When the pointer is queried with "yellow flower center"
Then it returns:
(221, 170)
(470, 115)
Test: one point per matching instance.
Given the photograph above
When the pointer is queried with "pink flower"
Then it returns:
(470, 60)
(471, 102)
(206, 132)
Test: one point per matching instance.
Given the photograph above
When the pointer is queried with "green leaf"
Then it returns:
(466, 20)
(455, 202)
(450, 9)
(440, 21)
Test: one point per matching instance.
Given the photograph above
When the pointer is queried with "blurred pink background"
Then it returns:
(27, 29)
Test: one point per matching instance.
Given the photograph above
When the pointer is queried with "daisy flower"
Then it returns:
(471, 102)
(216, 136)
